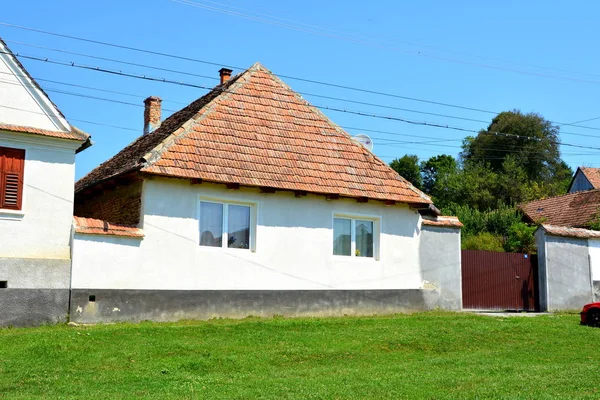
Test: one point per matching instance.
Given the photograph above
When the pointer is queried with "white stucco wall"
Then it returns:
(594, 249)
(293, 250)
(21, 103)
(42, 228)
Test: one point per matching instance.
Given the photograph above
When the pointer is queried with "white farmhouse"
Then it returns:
(250, 201)
(37, 173)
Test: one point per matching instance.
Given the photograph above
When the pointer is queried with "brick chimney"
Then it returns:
(225, 74)
(151, 114)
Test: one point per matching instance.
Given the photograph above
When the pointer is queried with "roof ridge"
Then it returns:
(215, 138)
(134, 164)
(153, 155)
(340, 130)
(581, 192)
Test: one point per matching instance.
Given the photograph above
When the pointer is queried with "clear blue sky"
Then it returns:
(534, 56)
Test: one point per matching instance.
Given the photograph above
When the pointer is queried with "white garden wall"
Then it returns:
(594, 249)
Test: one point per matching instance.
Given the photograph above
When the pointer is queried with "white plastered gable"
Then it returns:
(22, 103)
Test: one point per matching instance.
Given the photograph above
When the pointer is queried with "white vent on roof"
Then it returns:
(364, 140)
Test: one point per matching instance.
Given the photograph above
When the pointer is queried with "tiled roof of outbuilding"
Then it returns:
(571, 210)
(92, 226)
(255, 131)
(571, 232)
(443, 221)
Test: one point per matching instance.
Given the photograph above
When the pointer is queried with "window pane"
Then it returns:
(341, 237)
(211, 224)
(364, 238)
(239, 227)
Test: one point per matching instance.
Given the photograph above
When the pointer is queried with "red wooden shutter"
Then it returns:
(12, 162)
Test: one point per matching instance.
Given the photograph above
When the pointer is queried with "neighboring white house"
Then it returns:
(37, 173)
(250, 201)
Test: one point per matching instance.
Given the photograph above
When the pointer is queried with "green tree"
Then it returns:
(408, 168)
(440, 179)
(531, 141)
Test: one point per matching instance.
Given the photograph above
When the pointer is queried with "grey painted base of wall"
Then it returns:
(173, 305)
(37, 293)
(596, 285)
(28, 307)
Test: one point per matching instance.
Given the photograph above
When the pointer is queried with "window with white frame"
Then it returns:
(225, 225)
(354, 237)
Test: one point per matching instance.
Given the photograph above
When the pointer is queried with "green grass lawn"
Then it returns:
(421, 356)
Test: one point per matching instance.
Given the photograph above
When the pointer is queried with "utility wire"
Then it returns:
(299, 92)
(389, 47)
(395, 40)
(241, 68)
(336, 109)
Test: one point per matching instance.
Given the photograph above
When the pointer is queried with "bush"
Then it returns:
(521, 239)
(483, 241)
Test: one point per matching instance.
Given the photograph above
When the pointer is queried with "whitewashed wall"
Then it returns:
(42, 229)
(294, 242)
(594, 249)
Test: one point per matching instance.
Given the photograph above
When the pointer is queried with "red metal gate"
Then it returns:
(499, 281)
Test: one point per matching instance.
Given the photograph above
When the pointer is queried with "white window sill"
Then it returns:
(214, 249)
(355, 259)
(12, 214)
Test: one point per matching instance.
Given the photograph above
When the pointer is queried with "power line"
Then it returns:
(173, 56)
(241, 68)
(299, 92)
(336, 109)
(395, 40)
(371, 44)
(72, 119)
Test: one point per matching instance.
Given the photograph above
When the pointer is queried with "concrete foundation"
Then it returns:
(89, 305)
(32, 307)
(33, 291)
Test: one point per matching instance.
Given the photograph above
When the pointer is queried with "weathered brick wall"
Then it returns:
(119, 205)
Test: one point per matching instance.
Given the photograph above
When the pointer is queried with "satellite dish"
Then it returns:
(364, 140)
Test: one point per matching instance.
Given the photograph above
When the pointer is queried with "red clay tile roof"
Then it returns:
(74, 133)
(255, 131)
(91, 226)
(572, 210)
(443, 221)
(571, 232)
(592, 175)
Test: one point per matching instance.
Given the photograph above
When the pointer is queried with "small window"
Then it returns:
(3, 284)
(353, 237)
(12, 162)
(225, 225)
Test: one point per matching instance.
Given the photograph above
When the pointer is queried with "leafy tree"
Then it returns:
(408, 168)
(531, 141)
(436, 170)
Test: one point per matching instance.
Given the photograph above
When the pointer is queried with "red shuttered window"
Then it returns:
(12, 162)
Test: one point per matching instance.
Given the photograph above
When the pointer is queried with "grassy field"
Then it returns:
(421, 356)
